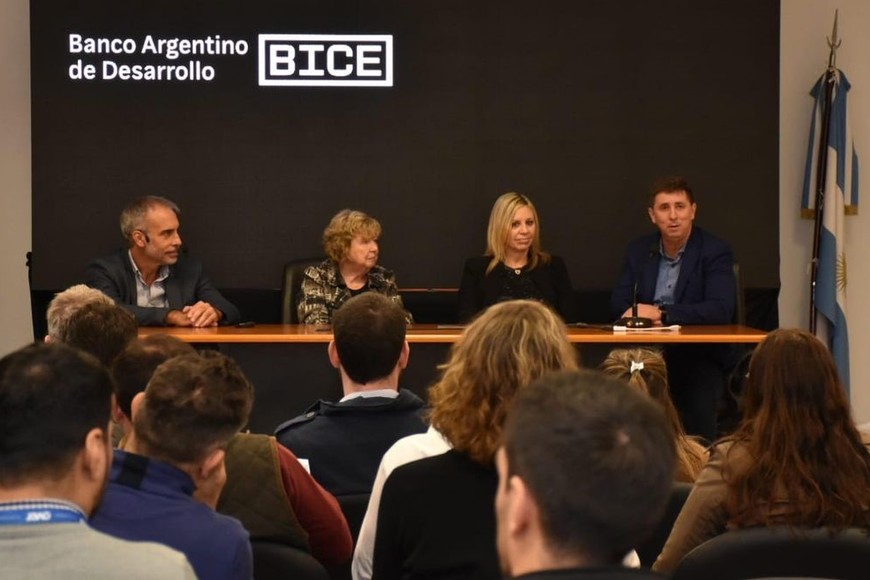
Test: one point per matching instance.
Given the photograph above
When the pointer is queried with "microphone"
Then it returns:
(635, 321)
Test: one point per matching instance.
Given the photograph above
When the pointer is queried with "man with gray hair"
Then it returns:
(152, 279)
(65, 304)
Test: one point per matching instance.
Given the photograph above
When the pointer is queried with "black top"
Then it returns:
(436, 520)
(548, 283)
(344, 442)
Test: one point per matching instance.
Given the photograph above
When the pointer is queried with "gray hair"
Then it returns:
(65, 304)
(133, 215)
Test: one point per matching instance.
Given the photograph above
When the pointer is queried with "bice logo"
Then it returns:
(323, 60)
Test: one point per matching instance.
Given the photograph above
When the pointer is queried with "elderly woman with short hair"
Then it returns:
(351, 268)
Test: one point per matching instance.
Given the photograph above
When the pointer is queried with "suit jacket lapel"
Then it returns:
(688, 264)
(173, 290)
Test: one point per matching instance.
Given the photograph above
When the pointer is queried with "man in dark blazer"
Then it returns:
(152, 278)
(684, 275)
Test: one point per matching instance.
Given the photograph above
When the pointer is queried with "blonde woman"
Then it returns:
(646, 371)
(514, 266)
(435, 515)
(351, 268)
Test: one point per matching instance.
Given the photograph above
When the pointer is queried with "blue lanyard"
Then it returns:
(40, 513)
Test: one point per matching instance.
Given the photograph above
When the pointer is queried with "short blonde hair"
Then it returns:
(499, 228)
(65, 304)
(507, 347)
(343, 228)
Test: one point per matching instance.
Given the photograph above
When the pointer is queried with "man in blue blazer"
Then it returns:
(684, 275)
(152, 278)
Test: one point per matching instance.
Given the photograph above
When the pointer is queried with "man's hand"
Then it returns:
(650, 311)
(202, 314)
(177, 318)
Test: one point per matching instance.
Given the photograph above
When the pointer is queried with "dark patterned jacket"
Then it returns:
(323, 291)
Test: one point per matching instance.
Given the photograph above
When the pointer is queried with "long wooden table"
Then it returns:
(447, 334)
(290, 370)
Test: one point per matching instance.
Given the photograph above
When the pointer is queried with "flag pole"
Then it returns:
(821, 165)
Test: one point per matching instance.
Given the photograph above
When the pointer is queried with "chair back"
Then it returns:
(652, 547)
(354, 507)
(273, 561)
(291, 287)
(779, 552)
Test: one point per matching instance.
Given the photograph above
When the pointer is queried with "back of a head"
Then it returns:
(793, 377)
(797, 424)
(598, 459)
(369, 333)
(51, 396)
(103, 330)
(65, 304)
(504, 349)
(134, 367)
(645, 370)
(193, 404)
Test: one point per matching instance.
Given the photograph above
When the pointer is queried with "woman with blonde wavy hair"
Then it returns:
(646, 370)
(796, 459)
(436, 516)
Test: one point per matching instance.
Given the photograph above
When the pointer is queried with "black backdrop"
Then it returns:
(579, 104)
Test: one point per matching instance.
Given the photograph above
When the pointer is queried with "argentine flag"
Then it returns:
(840, 199)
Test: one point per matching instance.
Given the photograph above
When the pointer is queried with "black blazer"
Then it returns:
(479, 289)
(186, 285)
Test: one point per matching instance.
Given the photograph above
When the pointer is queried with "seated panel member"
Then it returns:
(345, 441)
(55, 455)
(351, 268)
(152, 278)
(585, 472)
(683, 275)
(514, 266)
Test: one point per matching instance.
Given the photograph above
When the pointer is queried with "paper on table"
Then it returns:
(670, 328)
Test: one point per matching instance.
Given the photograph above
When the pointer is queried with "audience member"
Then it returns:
(345, 441)
(65, 304)
(646, 371)
(267, 489)
(435, 517)
(796, 459)
(585, 472)
(682, 274)
(102, 330)
(514, 266)
(152, 278)
(351, 268)
(55, 455)
(182, 423)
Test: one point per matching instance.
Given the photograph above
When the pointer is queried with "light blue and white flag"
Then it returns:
(840, 199)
